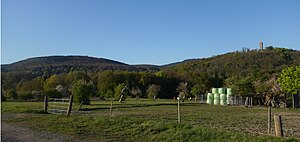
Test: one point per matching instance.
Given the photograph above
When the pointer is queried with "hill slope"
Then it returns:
(260, 64)
(64, 64)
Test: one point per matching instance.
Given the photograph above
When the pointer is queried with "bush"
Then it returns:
(82, 91)
(25, 95)
(11, 94)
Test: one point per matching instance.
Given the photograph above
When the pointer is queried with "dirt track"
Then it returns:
(11, 133)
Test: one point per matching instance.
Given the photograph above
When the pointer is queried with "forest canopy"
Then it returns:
(256, 70)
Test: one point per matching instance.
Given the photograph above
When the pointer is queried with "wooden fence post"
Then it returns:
(79, 108)
(241, 100)
(234, 100)
(269, 118)
(179, 111)
(246, 102)
(46, 103)
(278, 126)
(110, 109)
(70, 105)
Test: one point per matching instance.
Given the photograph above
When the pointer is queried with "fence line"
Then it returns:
(233, 100)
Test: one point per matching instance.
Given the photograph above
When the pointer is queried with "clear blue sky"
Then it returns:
(145, 31)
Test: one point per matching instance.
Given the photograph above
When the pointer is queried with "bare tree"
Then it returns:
(183, 90)
(136, 91)
(153, 91)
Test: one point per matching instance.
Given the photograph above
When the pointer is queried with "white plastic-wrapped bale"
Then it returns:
(229, 99)
(228, 91)
(223, 99)
(210, 98)
(216, 99)
(214, 90)
(221, 90)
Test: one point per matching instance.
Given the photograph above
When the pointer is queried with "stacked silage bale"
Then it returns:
(210, 98)
(229, 96)
(223, 97)
(219, 96)
(216, 96)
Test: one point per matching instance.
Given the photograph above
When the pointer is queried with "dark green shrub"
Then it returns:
(25, 95)
(11, 94)
(52, 93)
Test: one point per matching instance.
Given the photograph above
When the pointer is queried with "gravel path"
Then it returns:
(11, 133)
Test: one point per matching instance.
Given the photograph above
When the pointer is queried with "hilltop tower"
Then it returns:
(261, 45)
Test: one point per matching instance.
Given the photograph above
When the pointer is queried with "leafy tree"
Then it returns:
(25, 95)
(10, 80)
(269, 48)
(244, 87)
(229, 82)
(53, 81)
(35, 84)
(183, 90)
(109, 94)
(261, 87)
(82, 91)
(3, 98)
(196, 90)
(203, 82)
(63, 90)
(161, 74)
(145, 80)
(52, 93)
(153, 91)
(74, 76)
(38, 95)
(11, 94)
(106, 82)
(290, 83)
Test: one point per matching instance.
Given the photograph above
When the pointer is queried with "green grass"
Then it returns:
(21, 107)
(145, 120)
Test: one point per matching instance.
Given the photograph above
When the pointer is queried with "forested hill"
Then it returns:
(258, 64)
(243, 69)
(63, 64)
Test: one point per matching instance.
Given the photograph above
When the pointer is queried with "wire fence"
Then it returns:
(231, 100)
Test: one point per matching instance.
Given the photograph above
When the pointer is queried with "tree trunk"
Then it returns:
(121, 98)
(296, 101)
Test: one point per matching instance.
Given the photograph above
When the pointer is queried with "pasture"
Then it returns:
(145, 120)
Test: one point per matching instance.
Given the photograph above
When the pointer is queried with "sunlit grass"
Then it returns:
(144, 120)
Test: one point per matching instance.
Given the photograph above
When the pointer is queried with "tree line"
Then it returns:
(105, 85)
(255, 73)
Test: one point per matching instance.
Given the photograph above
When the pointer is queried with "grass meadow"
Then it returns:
(147, 120)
